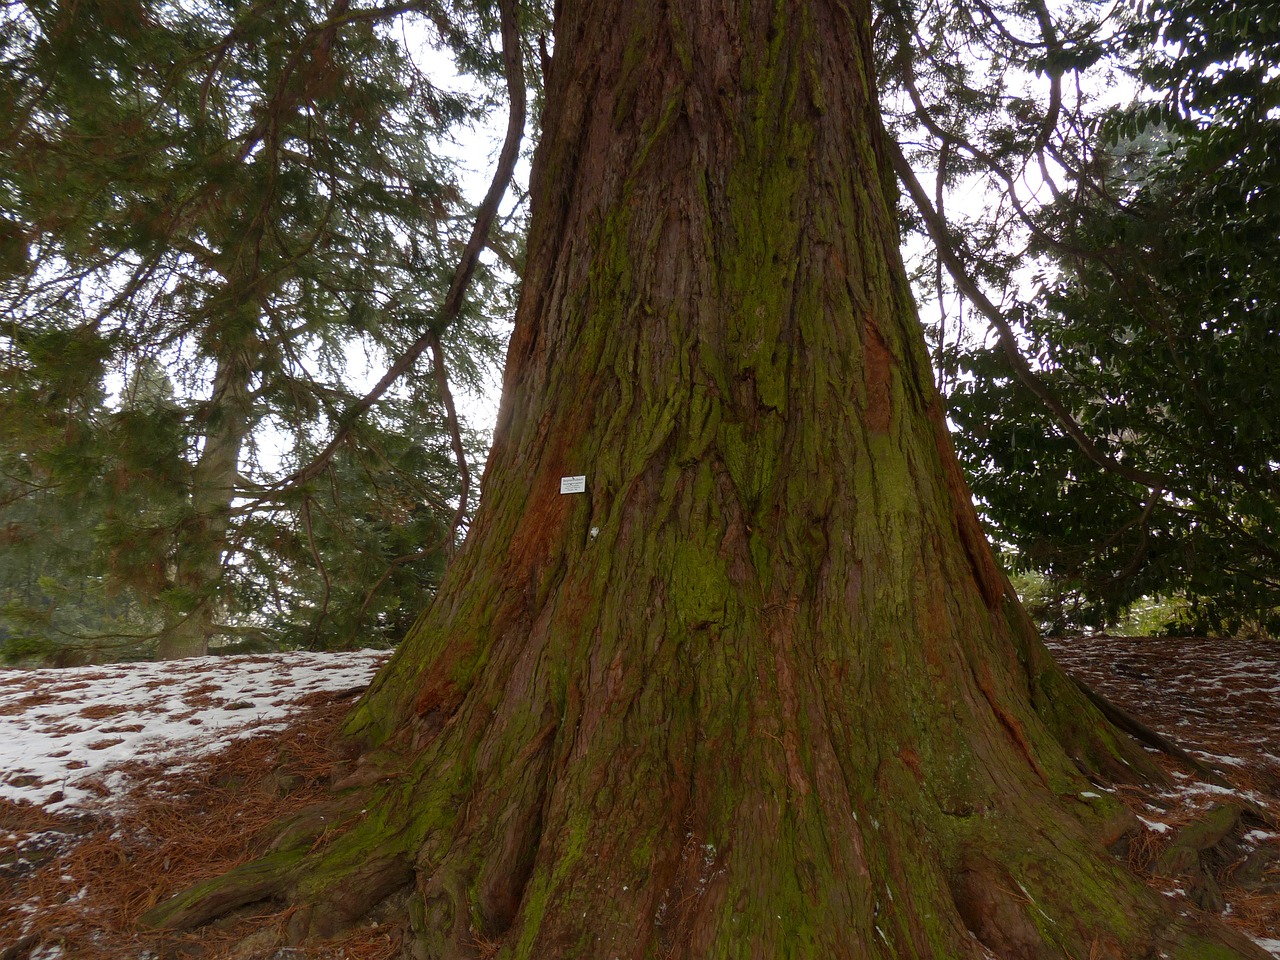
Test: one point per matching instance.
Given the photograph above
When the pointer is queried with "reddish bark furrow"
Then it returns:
(759, 691)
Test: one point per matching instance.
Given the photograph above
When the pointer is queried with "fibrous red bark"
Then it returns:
(760, 690)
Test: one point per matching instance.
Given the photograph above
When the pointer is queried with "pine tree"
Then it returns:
(246, 195)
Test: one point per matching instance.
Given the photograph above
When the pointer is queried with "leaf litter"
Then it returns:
(1219, 699)
(120, 786)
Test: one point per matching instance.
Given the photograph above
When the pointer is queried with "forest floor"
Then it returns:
(120, 786)
(1212, 836)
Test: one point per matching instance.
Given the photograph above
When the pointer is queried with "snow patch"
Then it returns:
(64, 733)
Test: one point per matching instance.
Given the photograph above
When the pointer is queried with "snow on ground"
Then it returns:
(69, 736)
(1219, 698)
(60, 729)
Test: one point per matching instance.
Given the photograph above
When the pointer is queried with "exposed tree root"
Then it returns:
(999, 898)
(1246, 874)
(1123, 720)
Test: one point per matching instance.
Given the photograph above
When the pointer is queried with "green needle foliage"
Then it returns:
(217, 218)
(211, 214)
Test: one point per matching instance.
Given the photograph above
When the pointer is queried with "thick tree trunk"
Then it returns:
(198, 564)
(759, 691)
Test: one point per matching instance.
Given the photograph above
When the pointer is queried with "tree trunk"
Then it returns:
(203, 540)
(759, 691)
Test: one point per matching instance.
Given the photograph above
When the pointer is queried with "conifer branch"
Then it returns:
(467, 264)
(392, 566)
(320, 567)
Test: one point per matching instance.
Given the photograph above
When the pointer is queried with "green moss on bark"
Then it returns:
(757, 691)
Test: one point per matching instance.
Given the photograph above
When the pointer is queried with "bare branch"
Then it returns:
(455, 438)
(1022, 370)
(320, 567)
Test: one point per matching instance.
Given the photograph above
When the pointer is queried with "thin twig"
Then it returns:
(320, 567)
(391, 568)
(1143, 523)
(455, 438)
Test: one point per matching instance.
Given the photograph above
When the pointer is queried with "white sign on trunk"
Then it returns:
(573, 484)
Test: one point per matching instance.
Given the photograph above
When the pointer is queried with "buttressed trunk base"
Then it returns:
(759, 691)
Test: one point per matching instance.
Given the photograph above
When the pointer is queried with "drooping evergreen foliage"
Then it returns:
(256, 201)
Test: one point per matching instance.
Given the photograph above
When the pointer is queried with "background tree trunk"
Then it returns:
(761, 690)
(203, 541)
